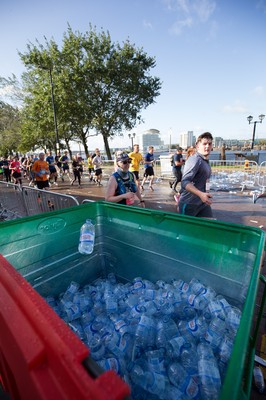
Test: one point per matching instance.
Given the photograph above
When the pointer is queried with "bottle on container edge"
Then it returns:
(86, 239)
(259, 379)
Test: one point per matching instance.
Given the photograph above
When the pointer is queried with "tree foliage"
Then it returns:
(100, 87)
(9, 128)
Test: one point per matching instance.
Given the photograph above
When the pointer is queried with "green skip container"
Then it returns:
(152, 244)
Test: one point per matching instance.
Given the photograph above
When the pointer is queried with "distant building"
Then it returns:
(217, 142)
(187, 139)
(150, 138)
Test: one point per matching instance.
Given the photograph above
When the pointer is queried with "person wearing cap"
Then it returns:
(122, 187)
(178, 162)
(41, 171)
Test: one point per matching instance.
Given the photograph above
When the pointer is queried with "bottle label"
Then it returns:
(191, 299)
(112, 363)
(119, 324)
(86, 237)
(192, 389)
(192, 325)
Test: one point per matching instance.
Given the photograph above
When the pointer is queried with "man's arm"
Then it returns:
(205, 197)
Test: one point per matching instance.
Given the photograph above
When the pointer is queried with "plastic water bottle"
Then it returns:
(174, 347)
(259, 379)
(166, 330)
(215, 332)
(145, 331)
(209, 375)
(182, 380)
(233, 318)
(224, 354)
(188, 357)
(195, 286)
(196, 328)
(86, 240)
(156, 361)
(96, 347)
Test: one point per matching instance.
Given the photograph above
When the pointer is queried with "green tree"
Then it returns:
(10, 133)
(100, 87)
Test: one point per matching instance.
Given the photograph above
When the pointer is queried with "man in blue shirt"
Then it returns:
(51, 161)
(148, 168)
(194, 199)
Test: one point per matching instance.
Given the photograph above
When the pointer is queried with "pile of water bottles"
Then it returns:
(166, 340)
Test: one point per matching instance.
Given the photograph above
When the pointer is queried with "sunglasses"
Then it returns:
(126, 162)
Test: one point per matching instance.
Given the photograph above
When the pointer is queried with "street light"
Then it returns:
(53, 105)
(132, 136)
(250, 118)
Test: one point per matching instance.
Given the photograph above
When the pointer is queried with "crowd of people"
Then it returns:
(125, 185)
(43, 170)
(193, 199)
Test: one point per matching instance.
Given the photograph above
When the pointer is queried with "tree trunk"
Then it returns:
(86, 149)
(107, 148)
(69, 149)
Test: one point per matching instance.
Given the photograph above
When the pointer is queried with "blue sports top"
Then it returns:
(124, 185)
(148, 157)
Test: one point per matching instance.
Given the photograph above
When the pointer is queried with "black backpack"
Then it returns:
(172, 161)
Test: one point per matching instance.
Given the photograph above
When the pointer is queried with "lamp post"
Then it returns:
(250, 118)
(132, 136)
(53, 105)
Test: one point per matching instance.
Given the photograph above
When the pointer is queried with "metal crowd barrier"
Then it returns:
(261, 180)
(108, 168)
(22, 201)
(233, 175)
(11, 201)
(38, 201)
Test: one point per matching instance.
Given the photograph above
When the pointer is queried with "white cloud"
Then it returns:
(237, 107)
(190, 12)
(179, 26)
(203, 9)
(258, 91)
(147, 24)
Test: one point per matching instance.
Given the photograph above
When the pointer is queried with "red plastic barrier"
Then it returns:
(40, 357)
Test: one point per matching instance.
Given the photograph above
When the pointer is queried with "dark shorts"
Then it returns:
(42, 184)
(65, 167)
(149, 171)
(98, 172)
(136, 173)
(16, 174)
(177, 174)
(203, 210)
(52, 169)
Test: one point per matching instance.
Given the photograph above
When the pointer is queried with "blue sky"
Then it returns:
(210, 55)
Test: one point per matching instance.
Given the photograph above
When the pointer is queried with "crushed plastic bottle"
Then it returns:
(259, 379)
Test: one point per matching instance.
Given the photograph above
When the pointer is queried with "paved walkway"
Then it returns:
(236, 207)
